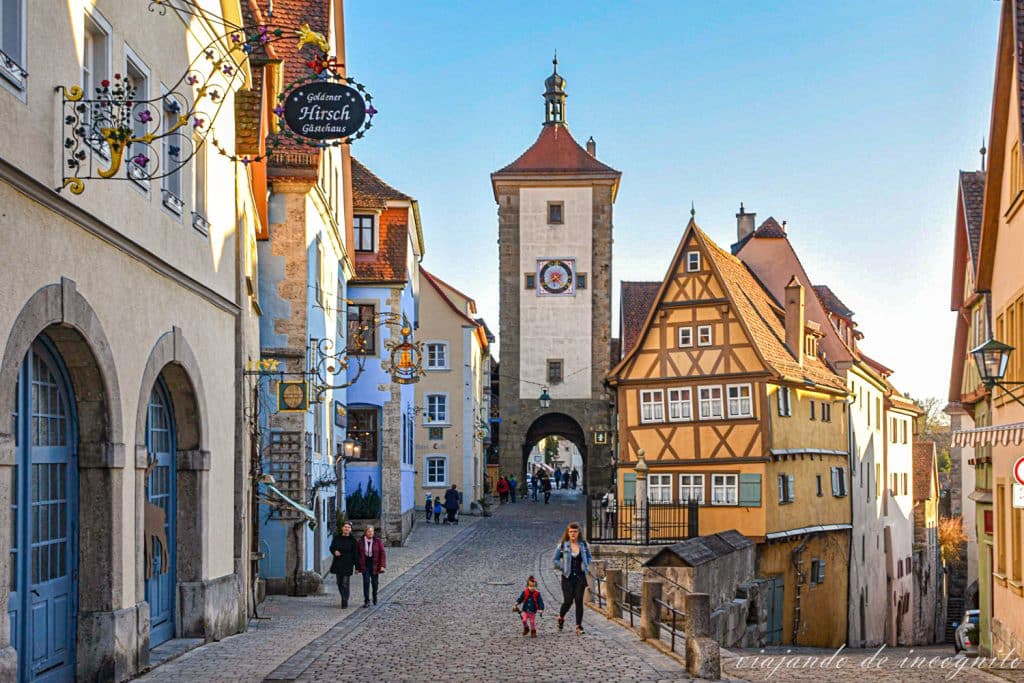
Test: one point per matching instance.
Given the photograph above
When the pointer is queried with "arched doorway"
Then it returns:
(160, 512)
(44, 503)
(560, 425)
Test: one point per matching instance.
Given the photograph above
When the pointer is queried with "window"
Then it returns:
(740, 404)
(652, 408)
(12, 25)
(685, 337)
(826, 411)
(362, 232)
(785, 407)
(138, 165)
(1016, 171)
(811, 402)
(581, 280)
(555, 371)
(817, 571)
(680, 406)
(363, 426)
(318, 270)
(437, 356)
(530, 281)
(659, 488)
(704, 335)
(787, 488)
(437, 409)
(555, 213)
(906, 489)
(437, 471)
(878, 479)
(878, 412)
(95, 70)
(817, 484)
(838, 481)
(903, 431)
(318, 428)
(724, 488)
(171, 155)
(199, 174)
(691, 488)
(362, 333)
(692, 261)
(710, 400)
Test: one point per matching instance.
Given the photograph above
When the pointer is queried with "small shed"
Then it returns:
(716, 564)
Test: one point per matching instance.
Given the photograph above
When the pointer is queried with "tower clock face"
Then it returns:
(556, 277)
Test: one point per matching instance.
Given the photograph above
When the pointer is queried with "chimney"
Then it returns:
(744, 223)
(795, 319)
(592, 147)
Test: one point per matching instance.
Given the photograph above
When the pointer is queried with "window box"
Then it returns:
(173, 202)
(201, 225)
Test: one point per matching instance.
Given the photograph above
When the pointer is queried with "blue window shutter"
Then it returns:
(629, 486)
(750, 490)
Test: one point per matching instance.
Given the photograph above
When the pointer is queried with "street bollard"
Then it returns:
(703, 656)
(649, 610)
(613, 579)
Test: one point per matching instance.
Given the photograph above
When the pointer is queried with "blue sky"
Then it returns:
(848, 120)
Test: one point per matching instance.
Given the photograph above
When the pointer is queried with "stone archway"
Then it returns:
(61, 314)
(560, 425)
(173, 361)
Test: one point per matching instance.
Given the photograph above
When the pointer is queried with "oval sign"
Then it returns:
(1018, 470)
(324, 110)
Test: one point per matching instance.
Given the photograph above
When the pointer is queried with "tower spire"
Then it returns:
(554, 97)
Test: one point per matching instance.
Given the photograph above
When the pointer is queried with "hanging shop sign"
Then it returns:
(324, 110)
(292, 397)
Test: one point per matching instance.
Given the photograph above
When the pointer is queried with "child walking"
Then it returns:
(437, 510)
(429, 507)
(528, 604)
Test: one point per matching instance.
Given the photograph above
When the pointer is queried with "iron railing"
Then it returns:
(626, 523)
(674, 623)
(598, 591)
(628, 601)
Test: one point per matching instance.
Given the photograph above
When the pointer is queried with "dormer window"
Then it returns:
(692, 261)
(362, 226)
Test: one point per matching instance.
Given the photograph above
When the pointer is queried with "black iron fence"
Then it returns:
(626, 523)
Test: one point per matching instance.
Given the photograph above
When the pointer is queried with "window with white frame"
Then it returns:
(691, 488)
(710, 400)
(704, 337)
(95, 70)
(692, 261)
(437, 356)
(785, 407)
(171, 154)
(724, 489)
(740, 403)
(139, 164)
(437, 409)
(12, 41)
(680, 405)
(659, 488)
(362, 226)
(652, 406)
(838, 481)
(685, 337)
(437, 471)
(787, 488)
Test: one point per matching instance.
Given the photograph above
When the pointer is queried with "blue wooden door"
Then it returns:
(160, 499)
(774, 636)
(44, 506)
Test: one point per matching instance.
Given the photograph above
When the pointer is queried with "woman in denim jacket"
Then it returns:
(572, 560)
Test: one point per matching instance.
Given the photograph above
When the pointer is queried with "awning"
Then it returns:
(305, 511)
(998, 435)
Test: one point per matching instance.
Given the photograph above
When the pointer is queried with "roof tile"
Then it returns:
(832, 302)
(635, 300)
(924, 464)
(555, 151)
(972, 186)
(369, 191)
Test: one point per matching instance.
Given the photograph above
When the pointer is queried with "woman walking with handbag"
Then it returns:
(572, 560)
(346, 557)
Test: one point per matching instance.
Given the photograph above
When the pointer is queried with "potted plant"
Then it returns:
(485, 507)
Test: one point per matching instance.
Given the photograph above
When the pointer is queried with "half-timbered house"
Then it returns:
(725, 399)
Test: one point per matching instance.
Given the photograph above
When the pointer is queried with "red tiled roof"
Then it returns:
(369, 191)
(832, 302)
(770, 228)
(972, 186)
(924, 465)
(388, 262)
(635, 300)
(555, 151)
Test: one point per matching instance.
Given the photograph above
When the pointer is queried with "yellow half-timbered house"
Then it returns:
(726, 399)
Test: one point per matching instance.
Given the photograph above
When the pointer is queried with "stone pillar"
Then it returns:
(703, 658)
(640, 504)
(650, 610)
(8, 657)
(613, 579)
(597, 569)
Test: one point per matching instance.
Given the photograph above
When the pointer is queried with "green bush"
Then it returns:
(363, 505)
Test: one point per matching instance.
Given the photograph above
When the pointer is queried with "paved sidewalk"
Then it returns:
(295, 622)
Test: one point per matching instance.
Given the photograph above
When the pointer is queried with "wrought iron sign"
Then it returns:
(406, 356)
(116, 133)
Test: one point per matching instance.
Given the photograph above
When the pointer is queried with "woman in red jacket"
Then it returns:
(372, 563)
(503, 489)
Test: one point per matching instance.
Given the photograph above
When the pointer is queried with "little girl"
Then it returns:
(529, 603)
(437, 510)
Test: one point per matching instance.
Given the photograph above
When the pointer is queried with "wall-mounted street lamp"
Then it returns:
(545, 398)
(992, 357)
(351, 450)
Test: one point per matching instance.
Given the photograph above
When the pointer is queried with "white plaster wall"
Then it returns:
(555, 326)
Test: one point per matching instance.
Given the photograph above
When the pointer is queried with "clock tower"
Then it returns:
(555, 253)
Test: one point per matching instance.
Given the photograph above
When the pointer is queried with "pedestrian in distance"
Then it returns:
(451, 503)
(574, 478)
(346, 557)
(512, 487)
(529, 604)
(502, 489)
(572, 561)
(608, 507)
(545, 486)
(372, 563)
(534, 485)
(429, 507)
(558, 477)
(565, 478)
(437, 510)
